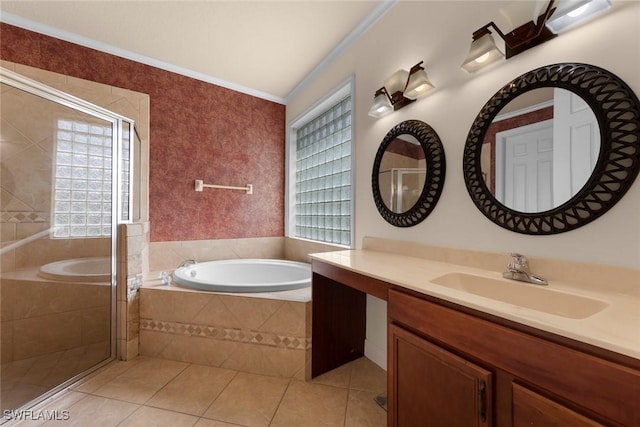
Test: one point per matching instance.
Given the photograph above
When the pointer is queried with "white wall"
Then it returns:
(439, 32)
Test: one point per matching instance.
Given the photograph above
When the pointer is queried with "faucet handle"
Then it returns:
(520, 260)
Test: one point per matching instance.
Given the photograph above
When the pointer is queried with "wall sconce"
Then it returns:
(553, 20)
(400, 89)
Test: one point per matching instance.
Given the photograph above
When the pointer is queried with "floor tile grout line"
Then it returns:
(220, 394)
(167, 383)
(280, 401)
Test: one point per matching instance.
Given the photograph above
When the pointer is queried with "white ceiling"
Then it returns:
(264, 48)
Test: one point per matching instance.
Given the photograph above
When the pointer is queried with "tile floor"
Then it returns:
(157, 392)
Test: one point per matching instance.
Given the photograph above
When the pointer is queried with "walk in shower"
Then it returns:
(66, 169)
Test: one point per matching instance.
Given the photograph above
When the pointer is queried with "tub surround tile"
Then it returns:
(186, 348)
(256, 335)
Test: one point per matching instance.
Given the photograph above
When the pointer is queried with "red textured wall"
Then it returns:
(198, 131)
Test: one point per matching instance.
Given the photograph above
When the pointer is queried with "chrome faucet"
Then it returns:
(187, 263)
(519, 270)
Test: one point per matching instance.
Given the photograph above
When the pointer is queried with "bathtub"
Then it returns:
(93, 269)
(245, 275)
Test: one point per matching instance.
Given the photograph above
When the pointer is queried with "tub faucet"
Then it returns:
(519, 270)
(187, 263)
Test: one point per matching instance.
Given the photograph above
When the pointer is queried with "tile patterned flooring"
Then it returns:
(157, 392)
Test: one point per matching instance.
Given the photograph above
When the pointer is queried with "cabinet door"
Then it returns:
(428, 386)
(532, 409)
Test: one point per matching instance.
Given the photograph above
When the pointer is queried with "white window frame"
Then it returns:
(344, 89)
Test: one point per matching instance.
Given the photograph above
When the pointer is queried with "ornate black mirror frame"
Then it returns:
(434, 180)
(617, 110)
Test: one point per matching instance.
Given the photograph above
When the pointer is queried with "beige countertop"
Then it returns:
(615, 328)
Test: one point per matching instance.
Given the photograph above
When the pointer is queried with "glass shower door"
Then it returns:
(58, 210)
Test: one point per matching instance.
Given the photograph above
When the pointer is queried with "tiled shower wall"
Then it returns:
(198, 131)
(27, 168)
(17, 222)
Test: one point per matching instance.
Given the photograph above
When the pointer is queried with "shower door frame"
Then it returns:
(54, 95)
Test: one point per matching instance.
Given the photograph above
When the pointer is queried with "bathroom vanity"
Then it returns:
(465, 359)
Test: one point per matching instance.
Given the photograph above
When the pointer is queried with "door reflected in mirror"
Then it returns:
(402, 173)
(540, 150)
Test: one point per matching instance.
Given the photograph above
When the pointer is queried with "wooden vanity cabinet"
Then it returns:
(432, 386)
(452, 366)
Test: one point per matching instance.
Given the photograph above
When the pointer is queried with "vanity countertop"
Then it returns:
(616, 328)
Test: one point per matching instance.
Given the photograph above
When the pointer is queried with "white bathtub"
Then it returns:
(93, 269)
(245, 275)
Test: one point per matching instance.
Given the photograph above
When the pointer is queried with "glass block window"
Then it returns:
(82, 179)
(323, 176)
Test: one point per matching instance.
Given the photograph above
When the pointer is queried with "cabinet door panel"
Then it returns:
(432, 387)
(532, 409)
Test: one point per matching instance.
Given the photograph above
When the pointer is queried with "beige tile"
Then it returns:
(250, 358)
(251, 313)
(193, 390)
(201, 351)
(18, 394)
(152, 343)
(204, 422)
(62, 403)
(368, 376)
(160, 304)
(104, 375)
(142, 381)
(46, 334)
(286, 362)
(146, 416)
(289, 319)
(249, 400)
(96, 411)
(215, 313)
(6, 334)
(96, 324)
(339, 377)
(307, 404)
(362, 410)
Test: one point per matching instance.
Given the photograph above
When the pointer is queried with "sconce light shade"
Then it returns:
(381, 104)
(483, 52)
(418, 83)
(396, 82)
(570, 13)
(400, 90)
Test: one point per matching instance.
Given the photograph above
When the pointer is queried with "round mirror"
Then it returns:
(540, 150)
(408, 173)
(402, 174)
(554, 149)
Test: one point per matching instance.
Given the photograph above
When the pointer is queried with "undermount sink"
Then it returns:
(524, 295)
